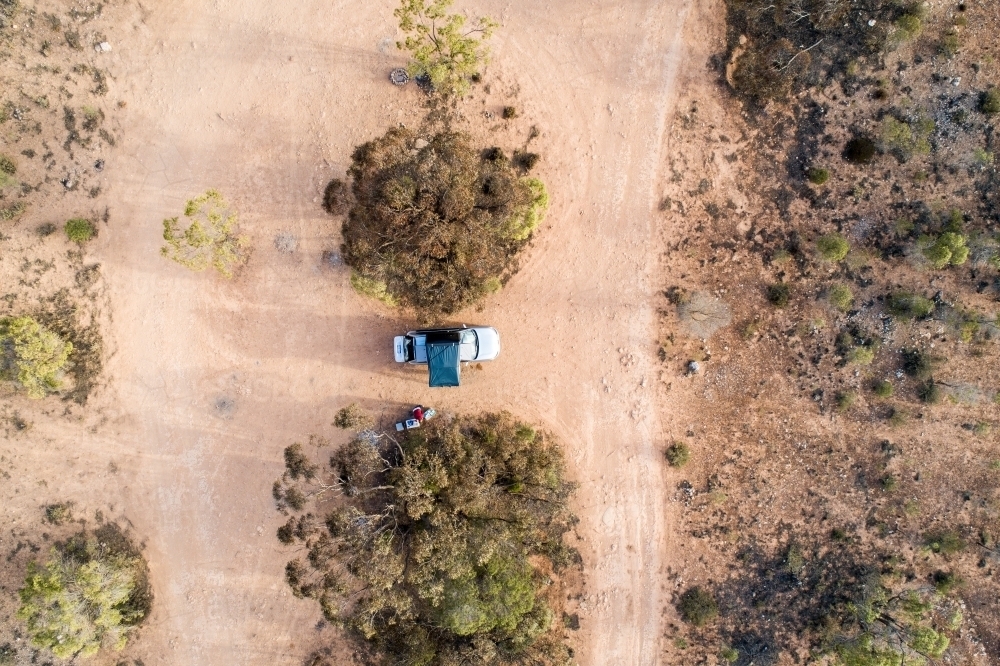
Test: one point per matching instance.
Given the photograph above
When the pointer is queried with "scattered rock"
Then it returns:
(420, 144)
(99, 165)
(103, 47)
(693, 368)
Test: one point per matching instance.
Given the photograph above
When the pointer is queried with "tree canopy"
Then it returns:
(437, 547)
(210, 238)
(436, 224)
(441, 47)
(90, 593)
(32, 355)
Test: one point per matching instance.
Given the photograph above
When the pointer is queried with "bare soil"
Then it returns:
(206, 381)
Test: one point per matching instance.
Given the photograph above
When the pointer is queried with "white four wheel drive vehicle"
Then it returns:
(443, 350)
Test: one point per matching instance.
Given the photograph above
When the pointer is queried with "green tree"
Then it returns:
(437, 551)
(436, 225)
(32, 355)
(210, 239)
(89, 594)
(440, 45)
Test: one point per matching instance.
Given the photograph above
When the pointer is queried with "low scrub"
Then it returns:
(80, 230)
(833, 247)
(207, 238)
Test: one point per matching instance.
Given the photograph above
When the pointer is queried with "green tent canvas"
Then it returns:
(443, 360)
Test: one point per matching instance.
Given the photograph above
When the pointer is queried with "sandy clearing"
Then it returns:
(212, 379)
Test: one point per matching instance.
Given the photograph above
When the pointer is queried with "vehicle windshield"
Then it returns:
(470, 338)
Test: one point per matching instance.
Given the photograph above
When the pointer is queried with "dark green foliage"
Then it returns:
(907, 305)
(859, 150)
(917, 364)
(817, 175)
(509, 112)
(438, 227)
(946, 581)
(335, 197)
(779, 294)
(930, 392)
(949, 44)
(526, 161)
(945, 541)
(989, 101)
(845, 400)
(431, 555)
(298, 465)
(80, 230)
(883, 389)
(697, 606)
(286, 533)
(677, 454)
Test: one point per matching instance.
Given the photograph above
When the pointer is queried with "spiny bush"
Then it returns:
(917, 363)
(697, 606)
(8, 168)
(57, 514)
(905, 139)
(335, 197)
(907, 305)
(845, 400)
(80, 230)
(438, 227)
(442, 49)
(909, 25)
(945, 541)
(32, 355)
(863, 355)
(210, 239)
(352, 417)
(92, 592)
(678, 454)
(883, 389)
(930, 392)
(841, 297)
(436, 553)
(833, 247)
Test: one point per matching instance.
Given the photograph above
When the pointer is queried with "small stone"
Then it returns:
(99, 165)
(420, 144)
(693, 367)
(103, 47)
(956, 81)
(871, 23)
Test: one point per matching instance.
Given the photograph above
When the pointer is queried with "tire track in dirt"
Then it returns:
(266, 103)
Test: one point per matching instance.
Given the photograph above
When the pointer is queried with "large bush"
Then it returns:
(32, 355)
(90, 593)
(436, 224)
(436, 553)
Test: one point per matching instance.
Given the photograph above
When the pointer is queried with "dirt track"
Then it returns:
(212, 379)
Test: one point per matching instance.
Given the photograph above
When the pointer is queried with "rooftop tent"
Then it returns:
(443, 358)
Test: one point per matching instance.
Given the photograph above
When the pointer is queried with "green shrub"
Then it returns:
(950, 44)
(352, 417)
(441, 47)
(948, 249)
(845, 400)
(817, 175)
(907, 139)
(779, 294)
(729, 655)
(841, 297)
(906, 305)
(335, 197)
(372, 289)
(945, 581)
(859, 150)
(883, 389)
(833, 247)
(916, 363)
(862, 355)
(944, 541)
(698, 607)
(678, 454)
(889, 483)
(989, 101)
(32, 355)
(92, 592)
(210, 239)
(57, 514)
(8, 167)
(439, 226)
(930, 392)
(509, 112)
(80, 230)
(908, 26)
